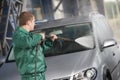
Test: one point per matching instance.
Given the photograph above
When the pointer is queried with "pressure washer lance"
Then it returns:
(36, 58)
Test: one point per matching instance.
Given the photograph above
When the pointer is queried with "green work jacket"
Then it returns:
(24, 45)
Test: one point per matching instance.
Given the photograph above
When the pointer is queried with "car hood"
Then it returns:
(65, 65)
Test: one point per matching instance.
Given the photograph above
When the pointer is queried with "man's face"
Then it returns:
(32, 24)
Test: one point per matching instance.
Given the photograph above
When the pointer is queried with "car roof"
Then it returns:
(102, 26)
(64, 21)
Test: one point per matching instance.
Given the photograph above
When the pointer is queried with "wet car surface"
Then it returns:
(85, 50)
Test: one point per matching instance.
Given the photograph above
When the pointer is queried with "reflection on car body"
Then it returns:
(85, 50)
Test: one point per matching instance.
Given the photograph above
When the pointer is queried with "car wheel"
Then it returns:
(107, 76)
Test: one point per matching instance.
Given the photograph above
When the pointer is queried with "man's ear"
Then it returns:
(28, 22)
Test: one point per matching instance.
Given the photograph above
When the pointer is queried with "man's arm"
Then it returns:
(48, 43)
(27, 41)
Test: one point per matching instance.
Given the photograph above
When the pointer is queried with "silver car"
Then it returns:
(85, 50)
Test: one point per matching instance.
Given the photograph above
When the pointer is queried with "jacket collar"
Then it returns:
(23, 30)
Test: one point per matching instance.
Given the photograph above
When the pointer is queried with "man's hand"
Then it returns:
(43, 35)
(53, 37)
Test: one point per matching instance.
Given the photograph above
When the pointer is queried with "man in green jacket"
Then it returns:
(24, 45)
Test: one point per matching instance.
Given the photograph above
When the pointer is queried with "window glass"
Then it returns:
(71, 38)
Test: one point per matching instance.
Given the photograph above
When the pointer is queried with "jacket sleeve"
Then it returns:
(47, 44)
(27, 41)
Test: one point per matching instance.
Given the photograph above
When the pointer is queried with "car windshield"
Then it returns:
(71, 38)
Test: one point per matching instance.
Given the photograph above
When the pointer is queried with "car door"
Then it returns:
(8, 70)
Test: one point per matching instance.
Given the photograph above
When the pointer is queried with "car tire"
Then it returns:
(107, 75)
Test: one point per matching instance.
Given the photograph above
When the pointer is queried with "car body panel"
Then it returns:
(9, 72)
(67, 65)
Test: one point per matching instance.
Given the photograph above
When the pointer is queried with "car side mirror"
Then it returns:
(108, 43)
(2, 61)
